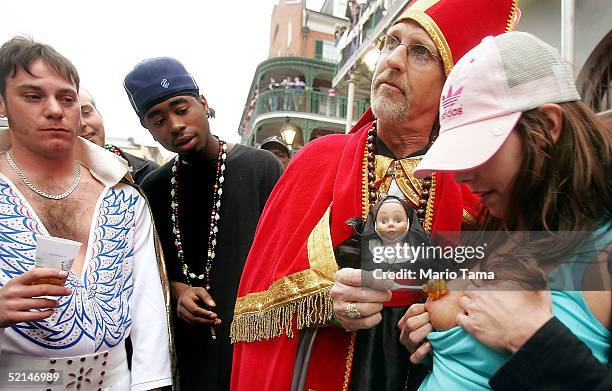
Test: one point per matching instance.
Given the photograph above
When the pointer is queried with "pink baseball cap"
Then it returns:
(485, 95)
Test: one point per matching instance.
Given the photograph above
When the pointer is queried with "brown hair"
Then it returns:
(562, 187)
(19, 52)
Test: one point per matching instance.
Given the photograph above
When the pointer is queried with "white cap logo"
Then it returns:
(165, 83)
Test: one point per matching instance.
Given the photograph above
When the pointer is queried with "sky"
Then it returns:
(219, 42)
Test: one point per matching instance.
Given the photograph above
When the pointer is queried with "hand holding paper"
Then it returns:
(56, 253)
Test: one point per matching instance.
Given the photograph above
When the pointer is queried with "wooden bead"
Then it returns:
(425, 193)
(421, 212)
(422, 202)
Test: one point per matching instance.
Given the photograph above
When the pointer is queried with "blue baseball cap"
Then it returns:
(155, 80)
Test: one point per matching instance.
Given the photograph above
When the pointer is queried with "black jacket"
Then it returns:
(553, 359)
(139, 167)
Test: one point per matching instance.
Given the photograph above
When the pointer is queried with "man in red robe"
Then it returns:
(281, 329)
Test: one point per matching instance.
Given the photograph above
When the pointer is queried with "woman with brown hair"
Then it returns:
(514, 130)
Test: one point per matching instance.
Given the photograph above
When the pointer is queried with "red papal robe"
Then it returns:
(290, 268)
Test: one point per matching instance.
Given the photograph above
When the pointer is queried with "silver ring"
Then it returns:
(352, 312)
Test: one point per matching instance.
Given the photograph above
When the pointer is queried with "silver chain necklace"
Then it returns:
(41, 193)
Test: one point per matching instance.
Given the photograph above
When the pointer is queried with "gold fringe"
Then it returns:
(311, 310)
(268, 314)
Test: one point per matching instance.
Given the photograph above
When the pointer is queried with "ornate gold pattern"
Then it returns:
(429, 212)
(382, 166)
(320, 249)
(510, 22)
(305, 294)
(407, 182)
(409, 185)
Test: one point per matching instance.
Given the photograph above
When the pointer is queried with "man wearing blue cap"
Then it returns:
(206, 202)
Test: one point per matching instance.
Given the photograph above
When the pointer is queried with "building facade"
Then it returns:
(580, 30)
(291, 95)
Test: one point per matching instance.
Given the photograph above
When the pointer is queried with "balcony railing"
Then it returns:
(358, 39)
(306, 101)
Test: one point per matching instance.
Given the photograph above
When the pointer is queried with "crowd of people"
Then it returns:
(232, 267)
(288, 95)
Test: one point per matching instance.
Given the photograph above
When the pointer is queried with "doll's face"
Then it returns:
(391, 220)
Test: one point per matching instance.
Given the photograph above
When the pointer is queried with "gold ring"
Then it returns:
(352, 312)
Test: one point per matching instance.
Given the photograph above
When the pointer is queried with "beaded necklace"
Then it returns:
(371, 189)
(213, 221)
(113, 149)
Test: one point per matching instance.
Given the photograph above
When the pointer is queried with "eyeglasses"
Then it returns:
(418, 54)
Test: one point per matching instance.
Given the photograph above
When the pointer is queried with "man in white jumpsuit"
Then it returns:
(70, 335)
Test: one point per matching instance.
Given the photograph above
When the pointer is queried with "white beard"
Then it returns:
(388, 110)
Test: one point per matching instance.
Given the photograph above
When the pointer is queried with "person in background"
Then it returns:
(273, 94)
(298, 86)
(286, 84)
(279, 148)
(92, 129)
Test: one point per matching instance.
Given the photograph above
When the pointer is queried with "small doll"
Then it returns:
(391, 233)
(389, 238)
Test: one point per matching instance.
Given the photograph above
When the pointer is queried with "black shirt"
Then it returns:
(139, 167)
(250, 176)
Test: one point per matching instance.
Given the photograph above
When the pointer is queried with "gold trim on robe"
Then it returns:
(436, 35)
(416, 12)
(305, 294)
